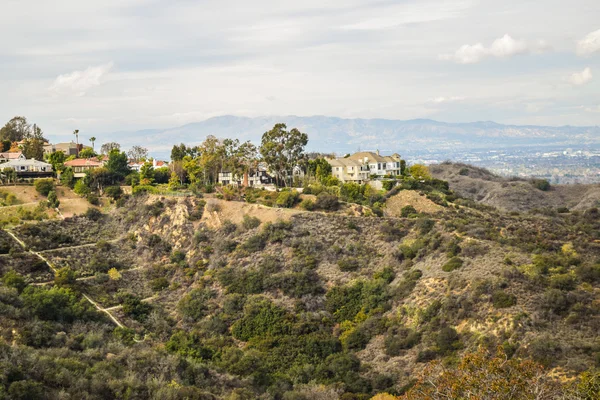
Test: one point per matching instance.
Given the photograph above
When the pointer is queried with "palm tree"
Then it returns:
(92, 139)
(76, 133)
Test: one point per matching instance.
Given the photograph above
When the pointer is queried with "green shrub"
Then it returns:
(348, 264)
(14, 280)
(255, 243)
(44, 186)
(114, 192)
(447, 340)
(93, 199)
(407, 211)
(399, 339)
(541, 184)
(93, 213)
(53, 201)
(589, 273)
(563, 281)
(134, 307)
(307, 204)
(327, 202)
(159, 284)
(250, 222)
(501, 299)
(287, 199)
(261, 318)
(452, 264)
(195, 305)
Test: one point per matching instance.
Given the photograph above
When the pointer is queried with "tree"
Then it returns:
(67, 177)
(147, 173)
(76, 133)
(282, 150)
(118, 163)
(57, 159)
(64, 277)
(319, 168)
(15, 129)
(10, 175)
(5, 145)
(33, 143)
(178, 169)
(44, 186)
(483, 376)
(420, 171)
(93, 140)
(180, 151)
(138, 153)
(53, 201)
(106, 148)
(87, 153)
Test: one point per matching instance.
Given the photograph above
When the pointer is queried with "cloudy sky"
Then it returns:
(111, 65)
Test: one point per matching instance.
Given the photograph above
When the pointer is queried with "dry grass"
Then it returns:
(405, 198)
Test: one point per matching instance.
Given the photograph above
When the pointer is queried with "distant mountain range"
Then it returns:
(339, 135)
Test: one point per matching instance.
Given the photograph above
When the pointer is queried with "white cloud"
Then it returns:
(79, 82)
(442, 99)
(581, 78)
(595, 109)
(504, 47)
(589, 44)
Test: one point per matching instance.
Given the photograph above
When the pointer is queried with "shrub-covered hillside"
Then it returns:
(309, 305)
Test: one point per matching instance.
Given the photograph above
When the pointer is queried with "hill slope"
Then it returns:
(514, 194)
(319, 305)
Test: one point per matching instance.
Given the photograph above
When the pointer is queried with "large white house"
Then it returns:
(28, 168)
(360, 167)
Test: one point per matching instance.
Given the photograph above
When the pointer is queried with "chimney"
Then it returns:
(377, 151)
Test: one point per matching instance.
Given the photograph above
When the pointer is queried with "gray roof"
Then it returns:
(25, 163)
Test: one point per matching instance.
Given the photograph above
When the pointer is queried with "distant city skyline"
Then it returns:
(123, 65)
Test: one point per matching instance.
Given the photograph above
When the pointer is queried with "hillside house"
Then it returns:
(137, 166)
(359, 167)
(81, 166)
(28, 168)
(256, 178)
(69, 148)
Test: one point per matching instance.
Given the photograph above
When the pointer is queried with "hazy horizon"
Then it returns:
(134, 64)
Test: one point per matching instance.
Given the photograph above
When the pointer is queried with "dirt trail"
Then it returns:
(53, 268)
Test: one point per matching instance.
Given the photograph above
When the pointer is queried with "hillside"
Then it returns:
(514, 194)
(228, 300)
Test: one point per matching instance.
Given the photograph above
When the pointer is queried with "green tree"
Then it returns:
(65, 276)
(93, 140)
(87, 153)
(33, 143)
(44, 186)
(420, 171)
(67, 177)
(118, 163)
(5, 145)
(14, 280)
(53, 201)
(319, 168)
(147, 173)
(57, 159)
(15, 130)
(282, 150)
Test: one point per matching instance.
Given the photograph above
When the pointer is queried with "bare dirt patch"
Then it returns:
(217, 211)
(405, 198)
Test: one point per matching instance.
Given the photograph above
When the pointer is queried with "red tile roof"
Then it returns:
(82, 162)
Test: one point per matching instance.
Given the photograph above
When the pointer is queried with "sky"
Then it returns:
(121, 65)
